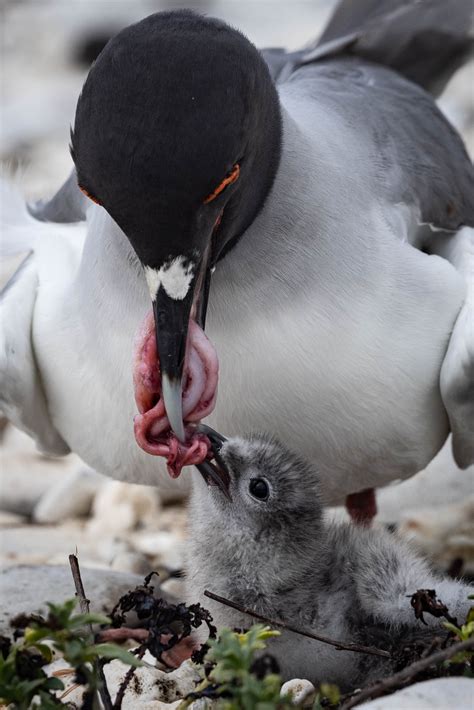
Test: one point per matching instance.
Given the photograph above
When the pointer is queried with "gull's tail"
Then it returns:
(425, 40)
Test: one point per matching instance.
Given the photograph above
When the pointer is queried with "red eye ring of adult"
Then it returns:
(228, 180)
(89, 195)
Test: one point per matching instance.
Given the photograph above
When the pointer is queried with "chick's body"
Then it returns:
(268, 548)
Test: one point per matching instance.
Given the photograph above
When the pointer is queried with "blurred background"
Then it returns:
(48, 507)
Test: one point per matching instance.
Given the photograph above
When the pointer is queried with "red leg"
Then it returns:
(181, 652)
(362, 506)
(173, 658)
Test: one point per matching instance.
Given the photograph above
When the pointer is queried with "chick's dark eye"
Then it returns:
(259, 488)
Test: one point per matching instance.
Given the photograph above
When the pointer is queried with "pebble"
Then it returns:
(108, 548)
(11, 520)
(151, 684)
(165, 548)
(75, 695)
(437, 694)
(150, 688)
(60, 668)
(70, 497)
(45, 544)
(131, 562)
(175, 587)
(443, 534)
(300, 690)
(120, 507)
(27, 475)
(158, 705)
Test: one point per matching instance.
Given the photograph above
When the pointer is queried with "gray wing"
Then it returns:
(416, 156)
(67, 205)
(425, 40)
(282, 63)
(22, 398)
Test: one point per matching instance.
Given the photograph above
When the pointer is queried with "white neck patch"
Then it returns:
(175, 276)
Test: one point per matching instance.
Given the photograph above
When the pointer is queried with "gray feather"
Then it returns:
(425, 40)
(280, 558)
(68, 204)
(416, 157)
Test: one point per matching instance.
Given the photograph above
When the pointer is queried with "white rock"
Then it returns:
(120, 507)
(437, 694)
(158, 705)
(165, 548)
(151, 684)
(443, 533)
(11, 520)
(131, 562)
(150, 660)
(70, 497)
(200, 704)
(299, 690)
(186, 677)
(62, 670)
(175, 587)
(107, 548)
(41, 544)
(25, 474)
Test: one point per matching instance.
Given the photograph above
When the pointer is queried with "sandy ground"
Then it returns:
(51, 507)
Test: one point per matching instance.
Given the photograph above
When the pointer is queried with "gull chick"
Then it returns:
(258, 536)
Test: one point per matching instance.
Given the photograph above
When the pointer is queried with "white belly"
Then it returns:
(344, 370)
(349, 378)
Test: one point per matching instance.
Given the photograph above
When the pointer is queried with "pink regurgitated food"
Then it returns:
(151, 425)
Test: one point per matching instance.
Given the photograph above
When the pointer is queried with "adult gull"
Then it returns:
(332, 203)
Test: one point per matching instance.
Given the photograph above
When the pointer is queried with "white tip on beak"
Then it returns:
(172, 397)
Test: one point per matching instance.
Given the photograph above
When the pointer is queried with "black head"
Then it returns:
(177, 135)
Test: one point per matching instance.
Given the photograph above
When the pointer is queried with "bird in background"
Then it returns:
(312, 211)
(258, 537)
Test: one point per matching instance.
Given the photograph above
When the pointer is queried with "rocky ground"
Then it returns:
(50, 508)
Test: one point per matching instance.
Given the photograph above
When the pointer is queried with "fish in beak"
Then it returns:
(175, 366)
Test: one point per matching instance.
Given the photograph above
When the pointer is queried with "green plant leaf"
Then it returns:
(32, 635)
(112, 651)
(330, 692)
(83, 619)
(54, 684)
(454, 629)
(45, 651)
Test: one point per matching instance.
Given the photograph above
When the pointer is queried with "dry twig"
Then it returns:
(84, 604)
(398, 680)
(126, 681)
(340, 645)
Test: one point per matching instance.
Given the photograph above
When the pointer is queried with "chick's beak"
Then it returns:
(215, 472)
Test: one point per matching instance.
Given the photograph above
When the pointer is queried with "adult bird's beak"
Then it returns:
(171, 322)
